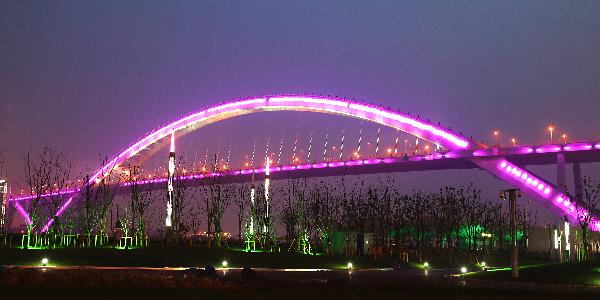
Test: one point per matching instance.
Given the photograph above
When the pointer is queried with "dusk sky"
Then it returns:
(91, 77)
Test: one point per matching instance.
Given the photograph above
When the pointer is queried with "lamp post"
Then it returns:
(514, 142)
(497, 136)
(564, 137)
(551, 129)
(512, 197)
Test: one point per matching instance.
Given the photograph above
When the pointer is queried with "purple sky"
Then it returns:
(93, 76)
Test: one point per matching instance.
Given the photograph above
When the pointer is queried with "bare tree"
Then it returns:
(586, 202)
(240, 201)
(474, 211)
(182, 197)
(39, 175)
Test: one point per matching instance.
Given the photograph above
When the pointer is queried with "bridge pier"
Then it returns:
(577, 178)
(560, 172)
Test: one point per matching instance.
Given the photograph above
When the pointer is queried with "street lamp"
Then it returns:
(564, 137)
(551, 129)
(514, 142)
(512, 197)
(497, 136)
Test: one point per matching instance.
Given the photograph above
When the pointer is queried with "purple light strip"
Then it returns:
(292, 102)
(28, 197)
(447, 155)
(545, 190)
(535, 184)
(295, 102)
(23, 212)
(58, 213)
(177, 125)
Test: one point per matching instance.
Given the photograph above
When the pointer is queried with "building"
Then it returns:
(3, 200)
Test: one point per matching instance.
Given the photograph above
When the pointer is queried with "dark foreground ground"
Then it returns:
(141, 274)
(88, 283)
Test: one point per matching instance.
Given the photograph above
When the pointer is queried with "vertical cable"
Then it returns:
(360, 137)
(377, 142)
(280, 150)
(325, 148)
(309, 146)
(342, 144)
(397, 137)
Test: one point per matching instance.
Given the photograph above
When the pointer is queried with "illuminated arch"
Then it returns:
(532, 185)
(329, 105)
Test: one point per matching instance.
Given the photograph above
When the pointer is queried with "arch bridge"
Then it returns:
(506, 164)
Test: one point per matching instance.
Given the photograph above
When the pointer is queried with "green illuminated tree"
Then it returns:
(586, 202)
(39, 174)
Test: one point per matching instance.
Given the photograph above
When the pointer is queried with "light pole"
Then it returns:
(497, 136)
(564, 137)
(169, 219)
(405, 150)
(551, 129)
(514, 142)
(512, 197)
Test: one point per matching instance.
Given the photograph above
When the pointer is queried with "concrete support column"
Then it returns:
(560, 172)
(577, 177)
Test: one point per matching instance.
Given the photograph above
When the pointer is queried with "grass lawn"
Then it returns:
(567, 273)
(179, 257)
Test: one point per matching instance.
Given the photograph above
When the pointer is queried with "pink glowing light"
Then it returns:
(292, 102)
(58, 213)
(330, 105)
(22, 212)
(372, 161)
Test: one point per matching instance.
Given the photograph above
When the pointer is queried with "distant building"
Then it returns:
(3, 200)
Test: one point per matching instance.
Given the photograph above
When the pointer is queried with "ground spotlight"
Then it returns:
(483, 265)
(44, 261)
(349, 266)
(463, 270)
(426, 265)
(224, 264)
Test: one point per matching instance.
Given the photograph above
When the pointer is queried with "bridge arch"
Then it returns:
(532, 185)
(329, 105)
